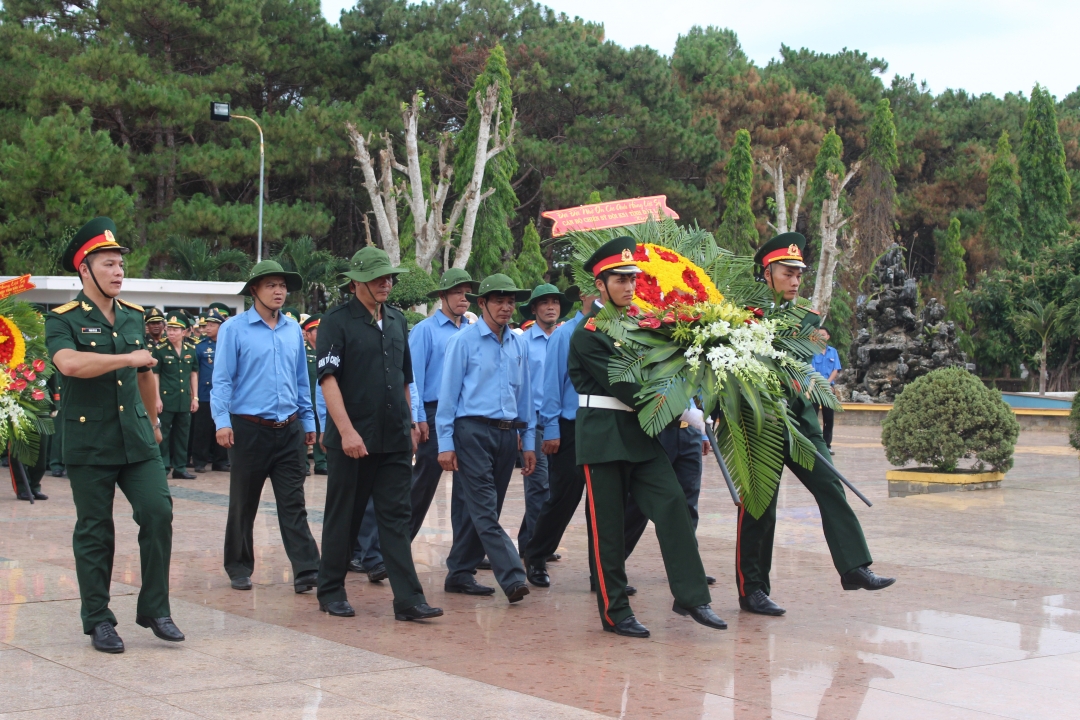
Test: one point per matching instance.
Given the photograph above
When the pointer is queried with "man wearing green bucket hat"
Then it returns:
(261, 402)
(486, 414)
(364, 369)
(427, 345)
(544, 307)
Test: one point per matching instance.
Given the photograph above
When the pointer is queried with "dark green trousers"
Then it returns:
(56, 444)
(843, 533)
(386, 478)
(175, 428)
(93, 488)
(319, 456)
(656, 490)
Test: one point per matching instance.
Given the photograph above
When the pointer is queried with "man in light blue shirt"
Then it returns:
(827, 364)
(485, 401)
(544, 307)
(261, 404)
(427, 345)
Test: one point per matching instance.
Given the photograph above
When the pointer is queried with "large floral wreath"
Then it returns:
(24, 368)
(703, 331)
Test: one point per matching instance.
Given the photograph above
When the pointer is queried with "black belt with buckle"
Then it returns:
(501, 424)
(271, 423)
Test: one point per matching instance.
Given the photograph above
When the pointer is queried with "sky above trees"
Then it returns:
(989, 46)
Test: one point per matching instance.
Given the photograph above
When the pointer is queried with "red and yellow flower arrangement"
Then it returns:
(668, 279)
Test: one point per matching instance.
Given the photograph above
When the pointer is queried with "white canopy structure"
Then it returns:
(53, 290)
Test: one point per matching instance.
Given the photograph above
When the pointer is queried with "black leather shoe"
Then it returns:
(423, 611)
(630, 589)
(241, 583)
(484, 564)
(320, 471)
(306, 581)
(553, 557)
(516, 592)
(200, 469)
(702, 614)
(220, 468)
(338, 608)
(760, 603)
(470, 587)
(59, 473)
(357, 566)
(377, 573)
(628, 627)
(863, 578)
(163, 627)
(23, 496)
(537, 575)
(182, 475)
(105, 638)
(709, 579)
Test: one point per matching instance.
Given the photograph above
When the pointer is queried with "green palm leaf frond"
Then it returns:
(666, 399)
(800, 448)
(756, 458)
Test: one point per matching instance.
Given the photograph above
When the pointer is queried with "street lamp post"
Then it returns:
(220, 112)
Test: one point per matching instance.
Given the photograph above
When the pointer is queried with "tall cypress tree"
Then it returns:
(530, 263)
(738, 231)
(1002, 208)
(1045, 189)
(953, 272)
(492, 241)
(875, 200)
(828, 161)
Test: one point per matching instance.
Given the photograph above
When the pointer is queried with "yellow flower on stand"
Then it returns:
(669, 278)
(12, 345)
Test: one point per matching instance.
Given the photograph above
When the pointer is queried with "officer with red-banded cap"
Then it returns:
(619, 458)
(779, 264)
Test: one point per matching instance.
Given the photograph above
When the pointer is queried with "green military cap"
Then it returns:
(499, 283)
(785, 249)
(97, 235)
(542, 291)
(153, 315)
(616, 256)
(291, 312)
(266, 268)
(370, 263)
(312, 322)
(202, 321)
(215, 316)
(222, 308)
(451, 279)
(177, 319)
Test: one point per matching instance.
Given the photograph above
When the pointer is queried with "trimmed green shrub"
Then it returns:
(411, 288)
(412, 317)
(947, 415)
(1074, 424)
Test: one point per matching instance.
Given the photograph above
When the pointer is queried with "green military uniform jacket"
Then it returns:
(105, 422)
(604, 435)
(174, 374)
(313, 381)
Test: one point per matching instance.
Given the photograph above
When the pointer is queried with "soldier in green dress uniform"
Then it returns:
(619, 458)
(310, 326)
(154, 319)
(225, 310)
(56, 446)
(177, 371)
(111, 436)
(780, 264)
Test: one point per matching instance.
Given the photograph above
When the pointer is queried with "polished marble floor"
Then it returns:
(984, 621)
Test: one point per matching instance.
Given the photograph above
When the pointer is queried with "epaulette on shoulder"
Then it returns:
(812, 310)
(66, 307)
(131, 305)
(590, 324)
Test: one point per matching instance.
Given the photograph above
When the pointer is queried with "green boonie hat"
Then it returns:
(97, 235)
(222, 308)
(312, 321)
(153, 315)
(177, 319)
(501, 284)
(542, 291)
(451, 279)
(616, 256)
(369, 263)
(293, 281)
(785, 249)
(291, 312)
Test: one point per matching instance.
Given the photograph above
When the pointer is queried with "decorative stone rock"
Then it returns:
(896, 343)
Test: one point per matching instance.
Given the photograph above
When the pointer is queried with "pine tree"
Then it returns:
(953, 271)
(738, 231)
(492, 239)
(1002, 208)
(828, 161)
(530, 264)
(875, 200)
(1045, 188)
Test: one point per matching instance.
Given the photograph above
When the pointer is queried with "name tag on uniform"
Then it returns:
(91, 330)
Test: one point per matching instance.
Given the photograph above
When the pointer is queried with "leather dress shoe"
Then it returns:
(59, 473)
(182, 475)
(105, 639)
(377, 573)
(163, 627)
(863, 578)
(469, 587)
(702, 614)
(320, 471)
(22, 496)
(356, 566)
(760, 603)
(517, 592)
(710, 580)
(199, 469)
(221, 467)
(423, 611)
(537, 575)
(484, 564)
(554, 557)
(338, 608)
(241, 583)
(630, 589)
(628, 627)
(306, 581)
